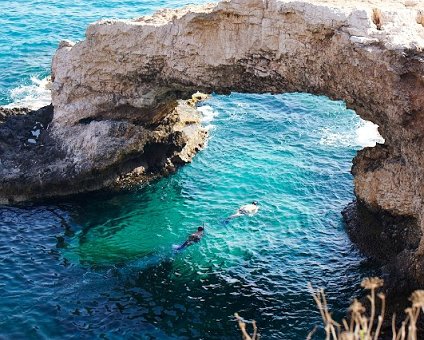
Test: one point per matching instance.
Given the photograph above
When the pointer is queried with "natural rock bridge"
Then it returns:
(114, 94)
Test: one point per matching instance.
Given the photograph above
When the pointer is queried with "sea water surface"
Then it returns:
(103, 266)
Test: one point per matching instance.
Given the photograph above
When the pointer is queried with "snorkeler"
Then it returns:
(248, 209)
(193, 238)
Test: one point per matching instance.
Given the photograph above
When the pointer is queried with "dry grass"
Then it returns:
(376, 18)
(242, 326)
(420, 18)
(361, 324)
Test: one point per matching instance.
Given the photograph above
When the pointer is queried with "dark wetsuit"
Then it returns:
(193, 238)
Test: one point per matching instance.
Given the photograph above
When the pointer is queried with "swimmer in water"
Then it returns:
(193, 238)
(248, 209)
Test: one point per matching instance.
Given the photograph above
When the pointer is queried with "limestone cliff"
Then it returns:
(367, 53)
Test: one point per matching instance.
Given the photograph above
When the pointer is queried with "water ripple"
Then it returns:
(103, 265)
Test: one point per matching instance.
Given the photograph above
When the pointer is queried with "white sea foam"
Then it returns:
(33, 96)
(365, 134)
(208, 115)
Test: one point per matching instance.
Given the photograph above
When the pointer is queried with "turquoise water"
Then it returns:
(102, 265)
(30, 31)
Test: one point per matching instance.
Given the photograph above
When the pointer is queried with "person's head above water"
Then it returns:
(255, 202)
(200, 229)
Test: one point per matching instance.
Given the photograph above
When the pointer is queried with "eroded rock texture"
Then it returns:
(39, 159)
(367, 53)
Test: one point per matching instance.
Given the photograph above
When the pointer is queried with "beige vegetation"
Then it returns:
(243, 328)
(361, 324)
(420, 17)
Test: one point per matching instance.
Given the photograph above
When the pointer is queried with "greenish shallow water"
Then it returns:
(103, 266)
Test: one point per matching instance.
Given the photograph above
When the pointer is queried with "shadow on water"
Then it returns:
(161, 291)
(155, 296)
(207, 299)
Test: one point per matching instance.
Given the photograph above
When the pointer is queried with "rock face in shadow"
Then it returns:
(391, 240)
(128, 74)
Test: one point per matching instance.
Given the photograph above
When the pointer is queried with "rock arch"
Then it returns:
(365, 53)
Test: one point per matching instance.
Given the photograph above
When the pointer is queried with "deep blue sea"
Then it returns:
(103, 266)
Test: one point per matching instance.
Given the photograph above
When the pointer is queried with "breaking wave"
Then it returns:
(364, 134)
(208, 114)
(33, 96)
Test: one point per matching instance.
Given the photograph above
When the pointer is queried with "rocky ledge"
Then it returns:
(39, 159)
(113, 92)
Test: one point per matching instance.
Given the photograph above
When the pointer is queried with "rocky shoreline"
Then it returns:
(37, 163)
